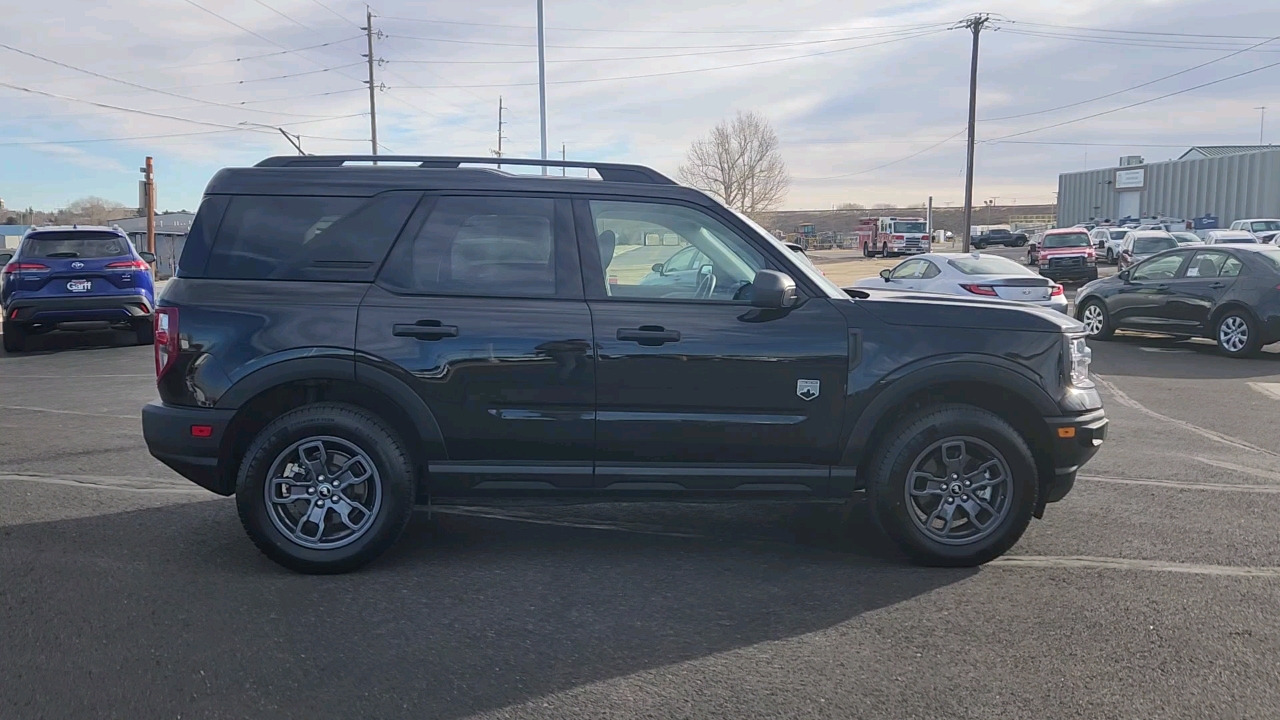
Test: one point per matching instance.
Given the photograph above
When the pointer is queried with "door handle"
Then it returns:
(1217, 285)
(649, 335)
(425, 330)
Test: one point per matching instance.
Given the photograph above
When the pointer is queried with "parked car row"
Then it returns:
(971, 275)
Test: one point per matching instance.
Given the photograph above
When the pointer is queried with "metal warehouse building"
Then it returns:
(1230, 183)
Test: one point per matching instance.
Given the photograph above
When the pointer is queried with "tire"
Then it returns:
(145, 332)
(387, 493)
(866, 251)
(917, 443)
(1236, 334)
(1111, 257)
(1103, 322)
(1021, 242)
(979, 246)
(15, 337)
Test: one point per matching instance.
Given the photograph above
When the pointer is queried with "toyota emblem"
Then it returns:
(77, 265)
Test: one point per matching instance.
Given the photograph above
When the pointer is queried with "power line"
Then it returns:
(1124, 42)
(750, 46)
(1136, 104)
(682, 72)
(340, 16)
(1140, 32)
(659, 32)
(143, 87)
(892, 162)
(116, 107)
(1135, 87)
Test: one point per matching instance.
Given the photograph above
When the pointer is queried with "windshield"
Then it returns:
(1186, 238)
(807, 266)
(908, 227)
(1118, 234)
(1152, 245)
(1265, 225)
(989, 265)
(75, 244)
(1236, 237)
(1066, 240)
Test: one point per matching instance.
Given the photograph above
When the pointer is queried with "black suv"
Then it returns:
(345, 340)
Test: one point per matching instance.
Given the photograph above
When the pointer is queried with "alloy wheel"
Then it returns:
(959, 490)
(1233, 334)
(1093, 319)
(323, 492)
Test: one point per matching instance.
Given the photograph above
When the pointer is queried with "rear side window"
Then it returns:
(490, 246)
(75, 244)
(272, 237)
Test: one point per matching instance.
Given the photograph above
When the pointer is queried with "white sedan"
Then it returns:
(971, 275)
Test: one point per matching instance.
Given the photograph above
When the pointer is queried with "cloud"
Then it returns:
(850, 86)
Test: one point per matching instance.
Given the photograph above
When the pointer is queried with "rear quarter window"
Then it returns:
(273, 237)
(75, 244)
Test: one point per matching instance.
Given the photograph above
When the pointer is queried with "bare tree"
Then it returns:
(94, 211)
(851, 206)
(739, 162)
(882, 206)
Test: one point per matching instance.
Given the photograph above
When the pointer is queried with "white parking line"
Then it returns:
(104, 482)
(1105, 563)
(1124, 399)
(68, 412)
(1271, 390)
(1176, 485)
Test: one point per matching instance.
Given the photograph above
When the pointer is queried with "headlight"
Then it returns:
(1078, 358)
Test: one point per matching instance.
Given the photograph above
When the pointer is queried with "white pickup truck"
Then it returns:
(1264, 229)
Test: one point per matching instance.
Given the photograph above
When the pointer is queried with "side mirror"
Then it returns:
(885, 273)
(772, 289)
(5, 257)
(1123, 275)
(657, 267)
(148, 257)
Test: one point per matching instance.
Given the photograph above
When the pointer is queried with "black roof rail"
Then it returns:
(609, 172)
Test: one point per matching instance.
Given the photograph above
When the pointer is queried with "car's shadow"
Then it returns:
(1161, 356)
(60, 341)
(171, 611)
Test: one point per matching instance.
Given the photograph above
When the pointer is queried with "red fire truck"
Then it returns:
(892, 236)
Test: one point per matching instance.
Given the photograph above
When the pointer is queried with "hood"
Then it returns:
(898, 307)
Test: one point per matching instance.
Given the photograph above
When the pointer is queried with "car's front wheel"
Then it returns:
(1111, 257)
(15, 337)
(1097, 322)
(953, 485)
(1237, 334)
(325, 488)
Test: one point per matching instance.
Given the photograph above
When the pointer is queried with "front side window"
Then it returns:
(911, 270)
(1161, 268)
(715, 262)
(483, 246)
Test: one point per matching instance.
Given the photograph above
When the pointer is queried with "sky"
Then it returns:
(869, 99)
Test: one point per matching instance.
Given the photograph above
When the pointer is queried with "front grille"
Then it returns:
(1074, 262)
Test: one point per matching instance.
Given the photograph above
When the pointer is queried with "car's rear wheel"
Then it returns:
(15, 337)
(325, 488)
(1111, 257)
(1237, 334)
(1097, 322)
(145, 332)
(953, 485)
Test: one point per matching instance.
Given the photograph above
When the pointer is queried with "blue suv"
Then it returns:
(76, 278)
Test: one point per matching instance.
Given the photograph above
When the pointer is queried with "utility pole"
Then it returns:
(373, 110)
(562, 159)
(149, 202)
(498, 153)
(542, 85)
(975, 23)
(1262, 123)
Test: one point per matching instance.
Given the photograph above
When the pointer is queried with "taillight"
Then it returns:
(128, 265)
(166, 339)
(25, 267)
(986, 290)
(1056, 291)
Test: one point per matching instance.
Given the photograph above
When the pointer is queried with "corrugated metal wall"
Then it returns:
(1234, 187)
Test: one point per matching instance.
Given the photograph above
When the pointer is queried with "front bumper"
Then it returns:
(52, 310)
(167, 431)
(1074, 440)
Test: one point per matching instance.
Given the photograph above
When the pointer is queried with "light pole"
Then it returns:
(542, 85)
(1262, 122)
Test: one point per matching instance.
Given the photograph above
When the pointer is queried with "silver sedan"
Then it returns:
(971, 275)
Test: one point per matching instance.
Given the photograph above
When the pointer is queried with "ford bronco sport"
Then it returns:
(345, 340)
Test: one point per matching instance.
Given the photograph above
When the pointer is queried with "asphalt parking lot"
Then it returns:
(1152, 591)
